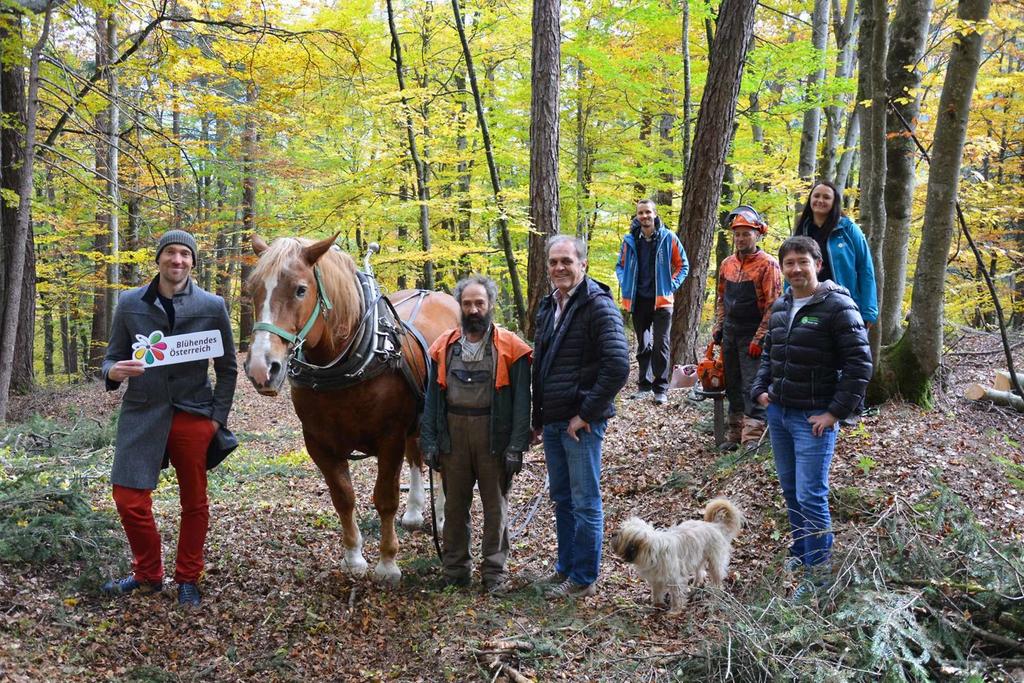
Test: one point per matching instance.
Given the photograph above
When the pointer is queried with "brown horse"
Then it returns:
(309, 292)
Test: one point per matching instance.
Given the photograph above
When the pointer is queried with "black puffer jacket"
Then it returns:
(822, 362)
(581, 365)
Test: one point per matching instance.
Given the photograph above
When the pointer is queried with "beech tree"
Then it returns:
(908, 367)
(903, 74)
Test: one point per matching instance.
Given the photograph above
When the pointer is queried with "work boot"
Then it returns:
(751, 433)
(570, 589)
(733, 432)
(458, 581)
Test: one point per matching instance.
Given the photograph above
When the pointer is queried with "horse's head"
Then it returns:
(287, 304)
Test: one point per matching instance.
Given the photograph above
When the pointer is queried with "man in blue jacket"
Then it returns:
(581, 361)
(652, 265)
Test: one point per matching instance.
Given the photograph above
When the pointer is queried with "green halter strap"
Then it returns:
(323, 303)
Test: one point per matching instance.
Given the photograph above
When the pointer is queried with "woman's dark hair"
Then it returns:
(833, 215)
(800, 245)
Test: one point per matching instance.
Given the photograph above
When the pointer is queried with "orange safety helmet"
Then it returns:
(746, 217)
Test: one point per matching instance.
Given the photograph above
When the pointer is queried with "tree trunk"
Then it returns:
(101, 241)
(908, 33)
(582, 158)
(16, 272)
(544, 204)
(845, 27)
(492, 168)
(667, 121)
(113, 164)
(714, 131)
(815, 81)
(687, 89)
(873, 45)
(908, 368)
(977, 392)
(12, 97)
(464, 210)
(422, 190)
(47, 340)
(849, 148)
(245, 320)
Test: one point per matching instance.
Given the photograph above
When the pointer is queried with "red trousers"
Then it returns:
(190, 436)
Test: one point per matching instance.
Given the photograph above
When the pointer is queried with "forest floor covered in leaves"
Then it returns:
(278, 607)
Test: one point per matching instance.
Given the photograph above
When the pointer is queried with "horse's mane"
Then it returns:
(337, 270)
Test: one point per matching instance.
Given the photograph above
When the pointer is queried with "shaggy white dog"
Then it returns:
(668, 559)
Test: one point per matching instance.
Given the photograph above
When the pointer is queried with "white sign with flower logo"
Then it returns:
(157, 349)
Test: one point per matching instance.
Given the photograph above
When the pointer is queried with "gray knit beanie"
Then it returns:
(178, 237)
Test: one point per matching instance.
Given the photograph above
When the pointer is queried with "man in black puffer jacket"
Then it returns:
(814, 370)
(581, 361)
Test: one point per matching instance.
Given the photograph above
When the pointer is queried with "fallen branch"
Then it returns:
(969, 588)
(977, 392)
(505, 645)
(1002, 380)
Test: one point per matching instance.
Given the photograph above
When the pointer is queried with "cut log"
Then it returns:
(1002, 382)
(977, 392)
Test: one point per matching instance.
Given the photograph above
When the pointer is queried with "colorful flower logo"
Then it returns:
(151, 349)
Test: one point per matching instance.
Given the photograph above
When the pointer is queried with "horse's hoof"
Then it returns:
(387, 572)
(355, 564)
(412, 521)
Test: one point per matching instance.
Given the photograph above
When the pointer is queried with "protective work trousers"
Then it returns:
(189, 438)
(746, 417)
(471, 462)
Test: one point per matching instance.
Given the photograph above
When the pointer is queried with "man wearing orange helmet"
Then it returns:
(749, 282)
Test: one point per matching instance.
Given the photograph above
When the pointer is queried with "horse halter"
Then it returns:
(295, 341)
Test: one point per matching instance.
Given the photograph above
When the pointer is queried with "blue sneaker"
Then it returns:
(188, 594)
(130, 584)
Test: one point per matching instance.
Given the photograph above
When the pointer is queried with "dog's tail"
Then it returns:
(725, 513)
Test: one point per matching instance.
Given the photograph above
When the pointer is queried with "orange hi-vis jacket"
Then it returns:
(507, 344)
(747, 288)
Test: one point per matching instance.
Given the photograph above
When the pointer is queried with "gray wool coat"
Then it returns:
(149, 403)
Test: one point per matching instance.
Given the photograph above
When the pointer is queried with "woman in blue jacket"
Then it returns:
(846, 256)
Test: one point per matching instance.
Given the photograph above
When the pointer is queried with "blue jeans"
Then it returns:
(574, 475)
(802, 461)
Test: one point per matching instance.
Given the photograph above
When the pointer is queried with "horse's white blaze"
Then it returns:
(387, 571)
(354, 560)
(413, 517)
(261, 339)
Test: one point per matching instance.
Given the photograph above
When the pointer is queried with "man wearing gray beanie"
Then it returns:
(169, 414)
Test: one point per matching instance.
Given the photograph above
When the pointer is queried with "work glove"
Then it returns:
(716, 336)
(754, 351)
(513, 463)
(433, 460)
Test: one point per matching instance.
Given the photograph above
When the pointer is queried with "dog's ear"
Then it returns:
(628, 551)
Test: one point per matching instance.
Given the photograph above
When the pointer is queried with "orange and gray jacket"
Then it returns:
(747, 288)
(670, 265)
(510, 402)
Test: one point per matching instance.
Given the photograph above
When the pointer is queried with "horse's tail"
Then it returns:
(731, 517)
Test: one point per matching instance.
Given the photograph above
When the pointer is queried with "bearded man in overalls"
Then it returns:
(475, 428)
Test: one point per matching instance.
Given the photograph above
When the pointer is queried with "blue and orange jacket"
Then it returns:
(670, 265)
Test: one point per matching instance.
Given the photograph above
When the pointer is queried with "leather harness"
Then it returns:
(374, 348)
